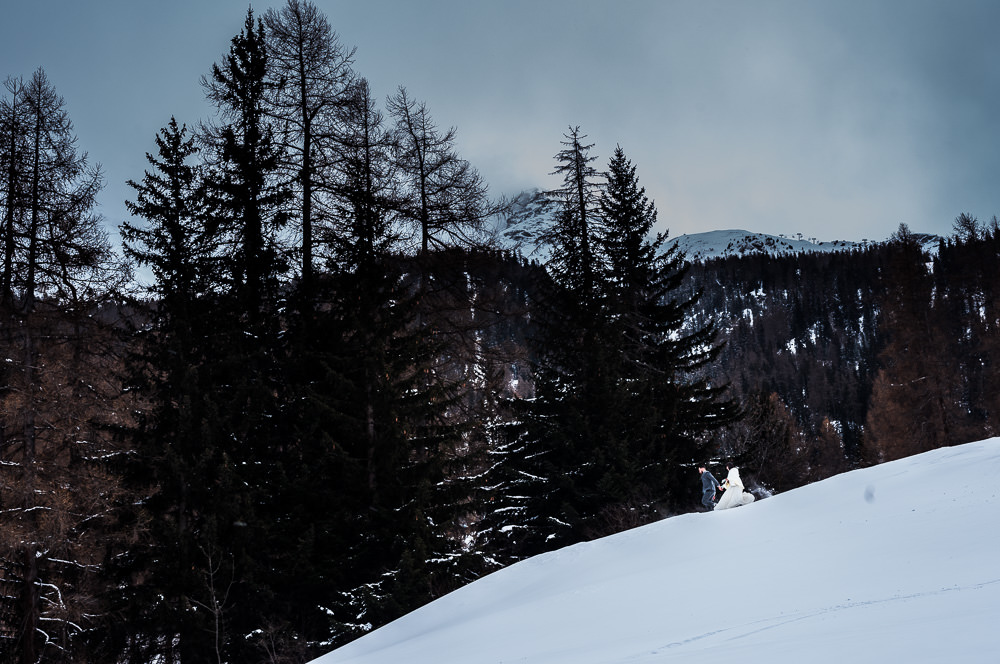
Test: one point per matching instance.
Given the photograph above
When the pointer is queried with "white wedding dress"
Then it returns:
(735, 494)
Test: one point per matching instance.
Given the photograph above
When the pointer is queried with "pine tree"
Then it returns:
(175, 244)
(566, 430)
(671, 403)
(253, 425)
(178, 465)
(250, 199)
(628, 236)
(621, 404)
(559, 470)
(217, 442)
(573, 237)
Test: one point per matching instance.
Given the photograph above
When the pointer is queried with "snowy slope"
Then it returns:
(893, 563)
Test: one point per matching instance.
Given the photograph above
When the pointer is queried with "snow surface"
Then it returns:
(892, 563)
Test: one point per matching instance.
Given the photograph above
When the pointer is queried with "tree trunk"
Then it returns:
(30, 605)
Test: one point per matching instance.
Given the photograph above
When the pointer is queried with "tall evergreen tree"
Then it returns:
(178, 463)
(220, 442)
(176, 242)
(662, 354)
(628, 237)
(621, 402)
(576, 371)
(575, 262)
(551, 483)
(250, 199)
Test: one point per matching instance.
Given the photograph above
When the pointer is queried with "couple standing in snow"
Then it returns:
(734, 496)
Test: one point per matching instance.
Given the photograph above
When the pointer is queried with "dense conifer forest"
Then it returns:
(340, 398)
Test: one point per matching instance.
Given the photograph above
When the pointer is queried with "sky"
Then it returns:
(894, 563)
(838, 120)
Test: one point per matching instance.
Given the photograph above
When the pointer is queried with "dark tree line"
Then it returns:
(937, 378)
(60, 401)
(856, 357)
(804, 327)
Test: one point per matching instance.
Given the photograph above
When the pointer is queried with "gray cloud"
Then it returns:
(838, 120)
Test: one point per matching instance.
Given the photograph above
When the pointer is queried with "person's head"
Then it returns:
(701, 469)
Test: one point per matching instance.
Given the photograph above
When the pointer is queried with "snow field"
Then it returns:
(897, 561)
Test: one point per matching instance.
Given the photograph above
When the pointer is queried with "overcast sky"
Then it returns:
(837, 119)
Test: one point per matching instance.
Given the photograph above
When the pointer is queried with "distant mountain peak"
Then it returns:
(531, 216)
(736, 242)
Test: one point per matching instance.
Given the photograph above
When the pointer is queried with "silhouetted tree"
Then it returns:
(620, 405)
(14, 151)
(59, 378)
(575, 262)
(442, 194)
(313, 71)
(250, 200)
(671, 402)
(364, 185)
(178, 464)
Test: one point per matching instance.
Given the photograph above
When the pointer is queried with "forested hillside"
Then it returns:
(856, 357)
(337, 398)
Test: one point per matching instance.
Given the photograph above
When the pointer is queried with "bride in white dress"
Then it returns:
(735, 494)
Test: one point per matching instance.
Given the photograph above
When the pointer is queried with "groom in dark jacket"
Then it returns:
(709, 485)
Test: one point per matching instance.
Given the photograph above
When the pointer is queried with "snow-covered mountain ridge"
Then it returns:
(735, 242)
(895, 562)
(719, 244)
(531, 213)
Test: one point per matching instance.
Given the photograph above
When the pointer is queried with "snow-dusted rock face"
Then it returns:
(531, 216)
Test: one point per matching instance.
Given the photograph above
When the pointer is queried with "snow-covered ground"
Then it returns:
(894, 563)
